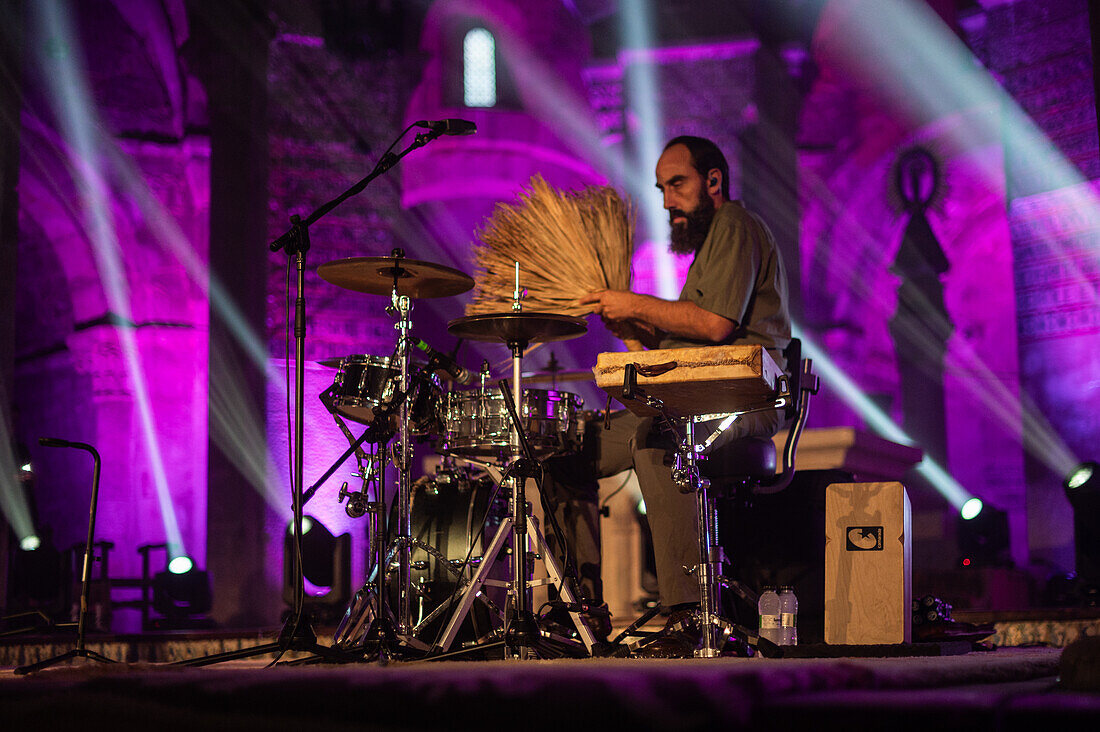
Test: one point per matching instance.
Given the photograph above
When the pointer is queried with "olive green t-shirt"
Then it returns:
(738, 274)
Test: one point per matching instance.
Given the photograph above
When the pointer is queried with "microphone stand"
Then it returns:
(297, 632)
(85, 575)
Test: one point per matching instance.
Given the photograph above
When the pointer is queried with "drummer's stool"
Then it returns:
(745, 467)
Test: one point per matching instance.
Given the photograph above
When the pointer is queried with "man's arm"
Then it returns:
(681, 317)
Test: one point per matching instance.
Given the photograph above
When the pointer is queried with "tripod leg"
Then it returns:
(459, 575)
(75, 653)
(467, 601)
(564, 590)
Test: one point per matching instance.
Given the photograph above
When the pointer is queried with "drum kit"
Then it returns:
(427, 567)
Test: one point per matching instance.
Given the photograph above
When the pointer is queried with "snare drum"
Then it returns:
(476, 423)
(364, 383)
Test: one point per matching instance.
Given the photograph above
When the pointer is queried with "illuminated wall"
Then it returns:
(111, 342)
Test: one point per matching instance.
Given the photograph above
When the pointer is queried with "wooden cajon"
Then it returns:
(693, 381)
(868, 564)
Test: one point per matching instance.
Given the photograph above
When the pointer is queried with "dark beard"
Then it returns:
(688, 238)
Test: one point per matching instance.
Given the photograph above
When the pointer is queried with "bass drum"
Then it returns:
(447, 514)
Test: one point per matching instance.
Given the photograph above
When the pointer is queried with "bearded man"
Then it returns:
(735, 293)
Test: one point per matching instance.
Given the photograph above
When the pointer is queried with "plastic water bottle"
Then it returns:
(768, 607)
(788, 617)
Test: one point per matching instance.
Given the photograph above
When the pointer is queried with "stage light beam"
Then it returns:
(636, 17)
(85, 139)
(942, 481)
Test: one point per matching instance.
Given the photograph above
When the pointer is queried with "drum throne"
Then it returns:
(741, 468)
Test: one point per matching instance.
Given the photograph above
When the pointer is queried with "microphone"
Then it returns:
(55, 442)
(449, 126)
(444, 362)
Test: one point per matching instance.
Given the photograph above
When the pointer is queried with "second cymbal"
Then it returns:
(549, 377)
(521, 327)
(376, 276)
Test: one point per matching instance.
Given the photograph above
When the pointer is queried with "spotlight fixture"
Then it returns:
(1082, 487)
(971, 508)
(180, 565)
(1080, 479)
(181, 596)
(983, 536)
(30, 543)
(326, 567)
(181, 591)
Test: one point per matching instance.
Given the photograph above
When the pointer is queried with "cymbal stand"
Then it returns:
(521, 631)
(401, 454)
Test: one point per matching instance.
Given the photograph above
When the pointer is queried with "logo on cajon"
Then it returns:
(864, 539)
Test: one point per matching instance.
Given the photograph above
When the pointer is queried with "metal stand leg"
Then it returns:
(85, 575)
(707, 572)
(401, 458)
(523, 637)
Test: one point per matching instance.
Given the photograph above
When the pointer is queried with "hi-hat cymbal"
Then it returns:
(519, 327)
(375, 276)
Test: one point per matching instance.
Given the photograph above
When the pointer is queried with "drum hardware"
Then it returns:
(446, 510)
(366, 398)
(521, 632)
(358, 502)
(376, 433)
(690, 450)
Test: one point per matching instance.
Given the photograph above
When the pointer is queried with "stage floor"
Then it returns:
(1000, 689)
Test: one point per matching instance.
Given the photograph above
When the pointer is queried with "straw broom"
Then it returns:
(567, 243)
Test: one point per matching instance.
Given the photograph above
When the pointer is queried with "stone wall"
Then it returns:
(1042, 52)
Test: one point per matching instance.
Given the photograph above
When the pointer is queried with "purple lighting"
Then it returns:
(981, 300)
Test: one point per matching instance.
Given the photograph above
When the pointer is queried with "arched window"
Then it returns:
(479, 69)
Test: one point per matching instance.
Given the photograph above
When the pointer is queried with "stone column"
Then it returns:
(769, 160)
(11, 61)
(229, 53)
(1041, 51)
(11, 50)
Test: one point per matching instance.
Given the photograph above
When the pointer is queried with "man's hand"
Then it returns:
(678, 317)
(612, 305)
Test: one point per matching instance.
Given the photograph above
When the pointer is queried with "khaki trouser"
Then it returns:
(570, 486)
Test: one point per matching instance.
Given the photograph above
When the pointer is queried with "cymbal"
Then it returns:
(549, 377)
(519, 327)
(375, 276)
